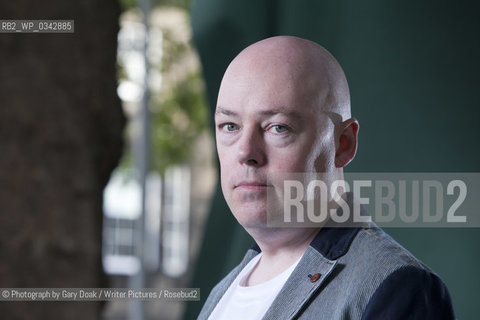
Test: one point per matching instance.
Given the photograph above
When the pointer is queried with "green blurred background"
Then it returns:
(413, 71)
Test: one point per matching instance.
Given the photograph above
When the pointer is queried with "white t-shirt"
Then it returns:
(242, 303)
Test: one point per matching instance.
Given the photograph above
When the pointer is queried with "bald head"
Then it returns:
(297, 64)
(283, 107)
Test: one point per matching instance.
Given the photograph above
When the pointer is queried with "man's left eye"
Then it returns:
(278, 128)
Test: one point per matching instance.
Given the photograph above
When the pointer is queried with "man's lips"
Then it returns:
(251, 185)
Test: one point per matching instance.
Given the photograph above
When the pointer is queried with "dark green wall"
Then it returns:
(413, 70)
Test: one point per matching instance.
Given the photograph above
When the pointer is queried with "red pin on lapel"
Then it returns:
(314, 277)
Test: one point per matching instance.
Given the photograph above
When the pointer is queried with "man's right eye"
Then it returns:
(229, 127)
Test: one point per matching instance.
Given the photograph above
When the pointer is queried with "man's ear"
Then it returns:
(347, 142)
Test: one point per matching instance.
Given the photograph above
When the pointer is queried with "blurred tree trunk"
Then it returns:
(60, 137)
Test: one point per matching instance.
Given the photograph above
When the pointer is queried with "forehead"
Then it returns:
(268, 88)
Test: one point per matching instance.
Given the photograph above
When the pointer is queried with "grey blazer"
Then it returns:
(362, 274)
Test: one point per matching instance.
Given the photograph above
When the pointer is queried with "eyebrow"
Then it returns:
(268, 112)
(221, 110)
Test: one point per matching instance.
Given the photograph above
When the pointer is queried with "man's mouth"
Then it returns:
(252, 185)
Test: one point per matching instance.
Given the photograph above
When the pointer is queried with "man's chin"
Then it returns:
(248, 197)
(252, 220)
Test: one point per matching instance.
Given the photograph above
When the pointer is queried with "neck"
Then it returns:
(280, 248)
(284, 241)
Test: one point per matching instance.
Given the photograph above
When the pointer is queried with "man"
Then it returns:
(284, 107)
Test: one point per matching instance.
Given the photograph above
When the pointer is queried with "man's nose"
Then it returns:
(251, 149)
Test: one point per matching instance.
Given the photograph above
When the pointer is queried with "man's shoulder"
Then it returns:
(410, 292)
(372, 245)
(364, 245)
(375, 275)
(373, 256)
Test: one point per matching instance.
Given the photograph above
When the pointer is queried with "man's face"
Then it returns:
(268, 121)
